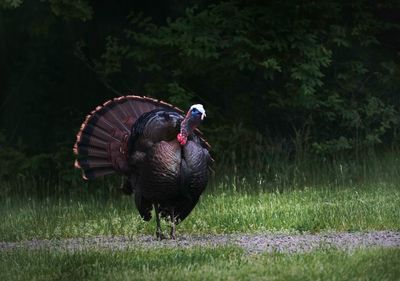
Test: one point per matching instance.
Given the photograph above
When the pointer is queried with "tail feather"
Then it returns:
(93, 163)
(109, 112)
(103, 123)
(102, 142)
(91, 140)
(91, 151)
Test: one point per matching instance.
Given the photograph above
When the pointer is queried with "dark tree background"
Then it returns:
(318, 78)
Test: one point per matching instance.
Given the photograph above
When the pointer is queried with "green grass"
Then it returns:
(374, 207)
(199, 264)
(274, 202)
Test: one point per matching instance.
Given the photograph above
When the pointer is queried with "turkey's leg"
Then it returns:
(173, 227)
(159, 233)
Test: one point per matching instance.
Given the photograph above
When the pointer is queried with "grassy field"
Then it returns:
(221, 211)
(290, 201)
(200, 264)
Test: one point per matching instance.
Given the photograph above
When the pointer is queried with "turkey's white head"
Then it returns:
(198, 109)
(192, 119)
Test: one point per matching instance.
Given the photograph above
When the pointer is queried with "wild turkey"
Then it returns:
(160, 152)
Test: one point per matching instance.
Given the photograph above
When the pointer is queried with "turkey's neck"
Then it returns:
(187, 127)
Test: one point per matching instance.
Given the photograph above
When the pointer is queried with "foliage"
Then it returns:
(10, 3)
(68, 9)
(56, 168)
(281, 82)
(273, 67)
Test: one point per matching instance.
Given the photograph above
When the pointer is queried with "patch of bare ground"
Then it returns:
(252, 243)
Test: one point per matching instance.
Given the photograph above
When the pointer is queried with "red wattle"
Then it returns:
(181, 139)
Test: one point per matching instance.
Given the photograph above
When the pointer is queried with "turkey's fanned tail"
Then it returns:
(102, 142)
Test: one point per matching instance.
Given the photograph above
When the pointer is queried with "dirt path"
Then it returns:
(253, 243)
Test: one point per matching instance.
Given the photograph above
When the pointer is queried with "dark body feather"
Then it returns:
(137, 137)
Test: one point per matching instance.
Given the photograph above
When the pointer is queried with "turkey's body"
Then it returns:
(158, 170)
(166, 174)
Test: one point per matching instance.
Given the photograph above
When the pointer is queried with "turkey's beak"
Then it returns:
(203, 115)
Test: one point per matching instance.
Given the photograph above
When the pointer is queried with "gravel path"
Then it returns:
(252, 243)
